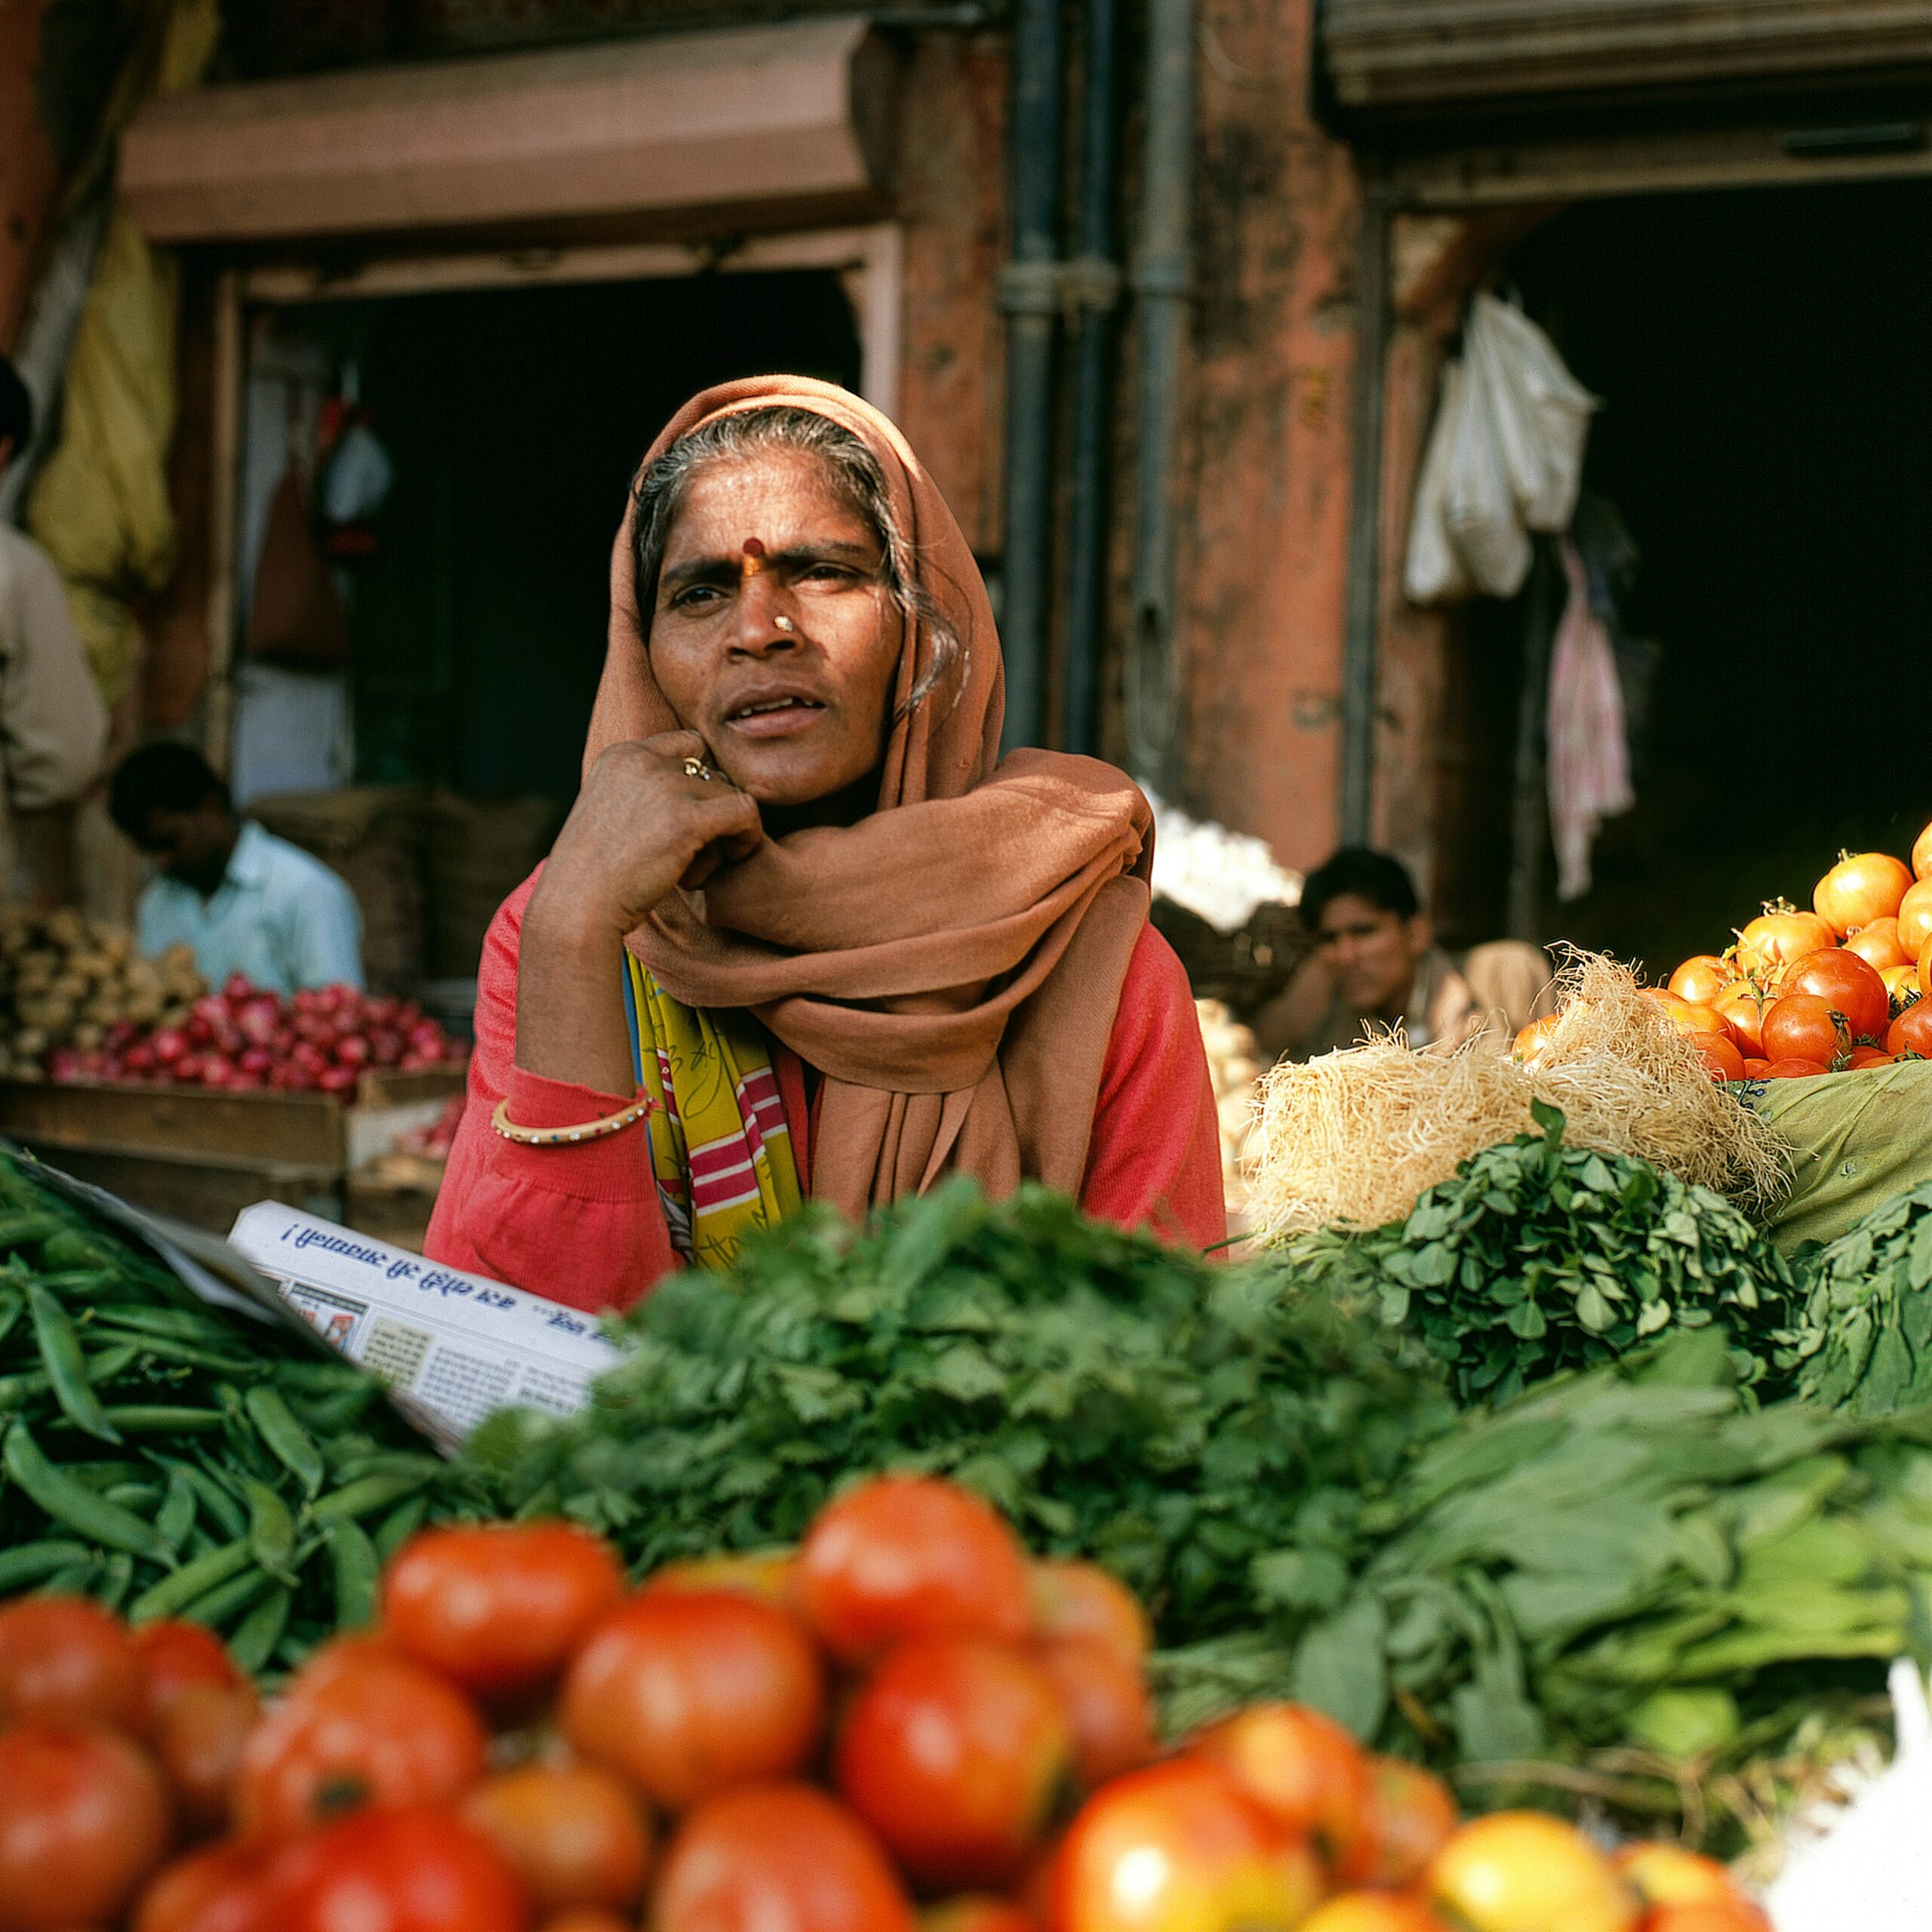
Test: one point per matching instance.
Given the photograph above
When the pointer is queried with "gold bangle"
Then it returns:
(565, 1136)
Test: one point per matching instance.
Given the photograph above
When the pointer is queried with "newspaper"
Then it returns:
(452, 1346)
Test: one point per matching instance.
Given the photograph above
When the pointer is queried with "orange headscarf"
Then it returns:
(950, 965)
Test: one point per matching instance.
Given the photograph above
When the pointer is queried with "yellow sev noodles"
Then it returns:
(1353, 1138)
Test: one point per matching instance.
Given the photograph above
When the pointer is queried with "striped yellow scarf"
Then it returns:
(719, 1144)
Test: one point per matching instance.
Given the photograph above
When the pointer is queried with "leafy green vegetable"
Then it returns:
(1865, 1338)
(1175, 1418)
(1638, 1556)
(1538, 1258)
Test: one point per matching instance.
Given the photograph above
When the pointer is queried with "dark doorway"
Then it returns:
(516, 419)
(1766, 421)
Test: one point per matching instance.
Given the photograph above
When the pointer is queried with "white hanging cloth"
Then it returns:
(1589, 749)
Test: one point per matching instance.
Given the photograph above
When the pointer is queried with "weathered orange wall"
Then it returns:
(1263, 537)
(30, 173)
(951, 198)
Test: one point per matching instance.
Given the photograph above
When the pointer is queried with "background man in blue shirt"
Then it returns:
(244, 900)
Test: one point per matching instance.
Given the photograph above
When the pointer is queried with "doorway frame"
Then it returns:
(869, 258)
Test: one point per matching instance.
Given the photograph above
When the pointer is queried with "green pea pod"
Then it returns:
(28, 1229)
(117, 1577)
(66, 1367)
(178, 1325)
(256, 1635)
(315, 1376)
(68, 1247)
(352, 1557)
(29, 1562)
(144, 1498)
(271, 1529)
(399, 1525)
(77, 1507)
(110, 1364)
(219, 1605)
(76, 1579)
(217, 1503)
(172, 1593)
(288, 1442)
(330, 1414)
(364, 1497)
(17, 1391)
(83, 1284)
(157, 1419)
(166, 1347)
(176, 1517)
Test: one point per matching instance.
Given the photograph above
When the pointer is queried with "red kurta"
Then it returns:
(582, 1225)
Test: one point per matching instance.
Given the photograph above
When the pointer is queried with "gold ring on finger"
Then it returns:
(696, 768)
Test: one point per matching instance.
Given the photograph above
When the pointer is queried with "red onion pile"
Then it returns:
(319, 1040)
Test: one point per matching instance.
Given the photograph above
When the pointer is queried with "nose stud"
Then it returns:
(783, 623)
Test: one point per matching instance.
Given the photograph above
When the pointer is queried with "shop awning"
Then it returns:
(1417, 54)
(737, 118)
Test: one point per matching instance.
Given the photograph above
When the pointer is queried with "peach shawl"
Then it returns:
(950, 965)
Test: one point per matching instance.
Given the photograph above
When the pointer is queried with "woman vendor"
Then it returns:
(804, 934)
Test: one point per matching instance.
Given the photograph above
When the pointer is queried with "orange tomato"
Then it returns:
(1756, 1069)
(1877, 944)
(1792, 1069)
(1859, 889)
(769, 1575)
(1848, 984)
(1524, 1872)
(574, 1834)
(954, 1753)
(1902, 983)
(688, 1692)
(1741, 1007)
(1732, 1914)
(1107, 1707)
(1690, 1016)
(777, 1854)
(1180, 1847)
(1778, 936)
(1864, 1056)
(1803, 1026)
(1669, 1874)
(176, 1657)
(1701, 978)
(377, 1730)
(214, 1889)
(1374, 1911)
(588, 1919)
(1925, 971)
(910, 1556)
(498, 1607)
(1306, 1772)
(65, 1660)
(1076, 1599)
(1921, 855)
(1915, 917)
(1414, 1817)
(1911, 1032)
(1720, 1055)
(199, 1739)
(1531, 1042)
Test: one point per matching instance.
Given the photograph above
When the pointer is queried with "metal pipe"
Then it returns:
(1160, 279)
(1357, 800)
(1093, 291)
(1029, 294)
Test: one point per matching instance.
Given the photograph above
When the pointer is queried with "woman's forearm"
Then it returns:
(570, 1001)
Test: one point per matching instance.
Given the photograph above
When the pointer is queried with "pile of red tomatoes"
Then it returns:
(905, 1724)
(320, 1039)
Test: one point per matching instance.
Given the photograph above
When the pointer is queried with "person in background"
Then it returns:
(1377, 965)
(242, 899)
(53, 722)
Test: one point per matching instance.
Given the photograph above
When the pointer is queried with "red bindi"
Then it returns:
(753, 547)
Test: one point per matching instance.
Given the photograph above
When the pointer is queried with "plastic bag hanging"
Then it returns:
(1505, 457)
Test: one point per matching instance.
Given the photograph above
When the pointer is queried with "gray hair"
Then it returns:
(664, 486)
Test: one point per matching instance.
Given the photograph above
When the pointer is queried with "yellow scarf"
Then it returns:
(719, 1144)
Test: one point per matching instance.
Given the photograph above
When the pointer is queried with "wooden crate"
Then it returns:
(202, 1154)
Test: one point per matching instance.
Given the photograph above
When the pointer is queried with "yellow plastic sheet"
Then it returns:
(1856, 1139)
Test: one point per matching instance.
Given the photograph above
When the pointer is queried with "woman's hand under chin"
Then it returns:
(642, 825)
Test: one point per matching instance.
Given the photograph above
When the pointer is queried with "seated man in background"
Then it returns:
(244, 900)
(1376, 965)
